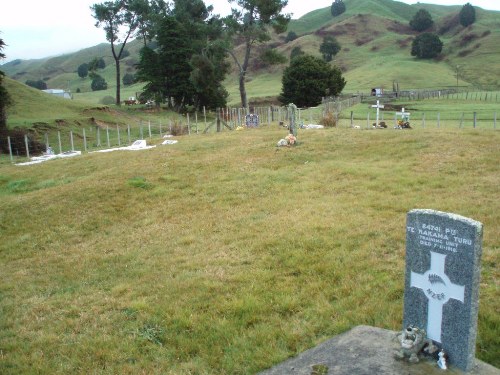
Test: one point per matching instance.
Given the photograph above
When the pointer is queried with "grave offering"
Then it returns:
(404, 122)
(252, 120)
(443, 253)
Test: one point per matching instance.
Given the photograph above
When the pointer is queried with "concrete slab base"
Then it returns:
(365, 350)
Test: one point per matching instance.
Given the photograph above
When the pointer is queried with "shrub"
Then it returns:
(421, 21)
(467, 15)
(329, 48)
(308, 79)
(128, 79)
(290, 36)
(338, 7)
(107, 100)
(426, 46)
(98, 83)
(328, 120)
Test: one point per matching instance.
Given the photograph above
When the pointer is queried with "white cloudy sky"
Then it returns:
(40, 28)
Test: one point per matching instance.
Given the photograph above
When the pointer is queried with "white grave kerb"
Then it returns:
(378, 106)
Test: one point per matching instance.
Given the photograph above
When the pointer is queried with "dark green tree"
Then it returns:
(5, 99)
(329, 48)
(83, 70)
(98, 83)
(338, 7)
(422, 20)
(40, 84)
(308, 79)
(295, 52)
(251, 22)
(150, 71)
(467, 15)
(191, 73)
(128, 79)
(119, 21)
(426, 46)
(272, 57)
(290, 36)
(209, 70)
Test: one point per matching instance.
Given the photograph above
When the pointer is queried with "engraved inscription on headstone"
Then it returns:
(443, 253)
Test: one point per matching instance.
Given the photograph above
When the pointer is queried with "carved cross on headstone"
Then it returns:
(438, 289)
(378, 106)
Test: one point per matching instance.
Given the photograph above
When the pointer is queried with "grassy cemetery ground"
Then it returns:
(223, 254)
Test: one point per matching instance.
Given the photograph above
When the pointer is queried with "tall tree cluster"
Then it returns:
(467, 15)
(188, 65)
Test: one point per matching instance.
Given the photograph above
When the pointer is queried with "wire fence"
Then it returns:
(94, 138)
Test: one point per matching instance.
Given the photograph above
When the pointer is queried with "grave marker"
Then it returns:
(443, 253)
(378, 106)
(252, 121)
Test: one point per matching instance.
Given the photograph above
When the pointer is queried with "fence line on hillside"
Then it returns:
(95, 138)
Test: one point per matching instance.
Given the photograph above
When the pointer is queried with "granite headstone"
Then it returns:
(252, 120)
(443, 253)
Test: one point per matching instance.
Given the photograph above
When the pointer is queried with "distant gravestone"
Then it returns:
(292, 111)
(252, 120)
(443, 253)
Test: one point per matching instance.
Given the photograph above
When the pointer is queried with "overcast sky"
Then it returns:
(35, 29)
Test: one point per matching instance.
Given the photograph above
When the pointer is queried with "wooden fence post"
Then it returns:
(10, 149)
(59, 139)
(26, 145)
(118, 134)
(475, 119)
(71, 140)
(84, 140)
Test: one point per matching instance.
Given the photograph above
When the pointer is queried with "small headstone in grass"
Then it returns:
(252, 120)
(443, 253)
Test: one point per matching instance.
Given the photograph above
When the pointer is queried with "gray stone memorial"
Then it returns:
(252, 120)
(443, 253)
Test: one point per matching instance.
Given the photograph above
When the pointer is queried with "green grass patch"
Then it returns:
(226, 254)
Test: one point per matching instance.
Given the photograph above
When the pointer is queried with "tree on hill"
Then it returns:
(467, 15)
(115, 16)
(329, 48)
(128, 79)
(338, 7)
(308, 79)
(426, 46)
(296, 52)
(98, 83)
(5, 99)
(191, 73)
(40, 84)
(290, 36)
(250, 23)
(422, 20)
(83, 70)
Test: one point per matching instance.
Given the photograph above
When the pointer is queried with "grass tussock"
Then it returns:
(225, 254)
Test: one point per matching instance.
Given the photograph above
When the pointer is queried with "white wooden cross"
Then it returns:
(378, 106)
(404, 115)
(438, 289)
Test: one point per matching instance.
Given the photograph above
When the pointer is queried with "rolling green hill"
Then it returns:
(376, 42)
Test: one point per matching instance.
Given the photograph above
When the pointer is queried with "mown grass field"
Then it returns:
(223, 254)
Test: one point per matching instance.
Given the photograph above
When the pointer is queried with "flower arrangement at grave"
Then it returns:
(289, 140)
